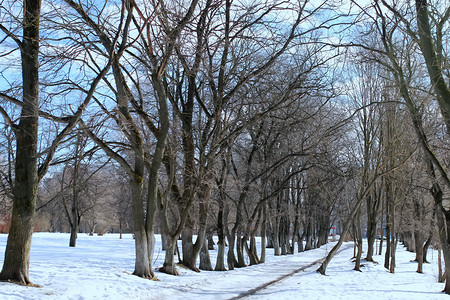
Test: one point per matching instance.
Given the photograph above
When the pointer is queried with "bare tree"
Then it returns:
(27, 172)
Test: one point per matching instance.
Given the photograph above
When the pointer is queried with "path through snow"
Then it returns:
(100, 267)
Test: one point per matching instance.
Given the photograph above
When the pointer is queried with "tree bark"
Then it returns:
(372, 208)
(419, 240)
(433, 65)
(358, 241)
(17, 255)
(262, 258)
(240, 251)
(169, 260)
(231, 258)
(74, 234)
(220, 261)
(205, 260)
(142, 266)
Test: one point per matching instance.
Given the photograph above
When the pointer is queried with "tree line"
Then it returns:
(278, 119)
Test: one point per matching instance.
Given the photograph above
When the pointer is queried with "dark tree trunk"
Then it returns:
(17, 255)
(262, 259)
(231, 237)
(211, 243)
(269, 235)
(300, 243)
(389, 229)
(282, 236)
(372, 207)
(240, 252)
(419, 240)
(441, 277)
(426, 246)
(358, 241)
(74, 233)
(309, 237)
(231, 258)
(380, 248)
(443, 222)
(388, 247)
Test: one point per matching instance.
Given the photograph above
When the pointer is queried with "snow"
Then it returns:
(101, 267)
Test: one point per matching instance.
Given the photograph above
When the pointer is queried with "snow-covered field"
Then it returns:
(100, 268)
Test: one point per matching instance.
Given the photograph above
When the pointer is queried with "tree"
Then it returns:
(27, 172)
(367, 98)
(155, 64)
(76, 182)
(393, 23)
(17, 255)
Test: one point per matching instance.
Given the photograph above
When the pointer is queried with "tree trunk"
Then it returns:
(220, 261)
(164, 241)
(73, 233)
(300, 243)
(394, 241)
(193, 250)
(240, 252)
(409, 242)
(309, 237)
(371, 226)
(432, 62)
(209, 237)
(155, 166)
(276, 241)
(388, 237)
(231, 258)
(188, 248)
(443, 222)
(252, 253)
(169, 259)
(358, 241)
(282, 236)
(201, 241)
(262, 259)
(17, 255)
(418, 236)
(142, 266)
(380, 249)
(441, 277)
(231, 237)
(426, 246)
(205, 260)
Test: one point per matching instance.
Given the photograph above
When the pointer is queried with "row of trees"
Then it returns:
(405, 40)
(193, 118)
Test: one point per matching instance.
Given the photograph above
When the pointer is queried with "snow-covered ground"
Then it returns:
(100, 268)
